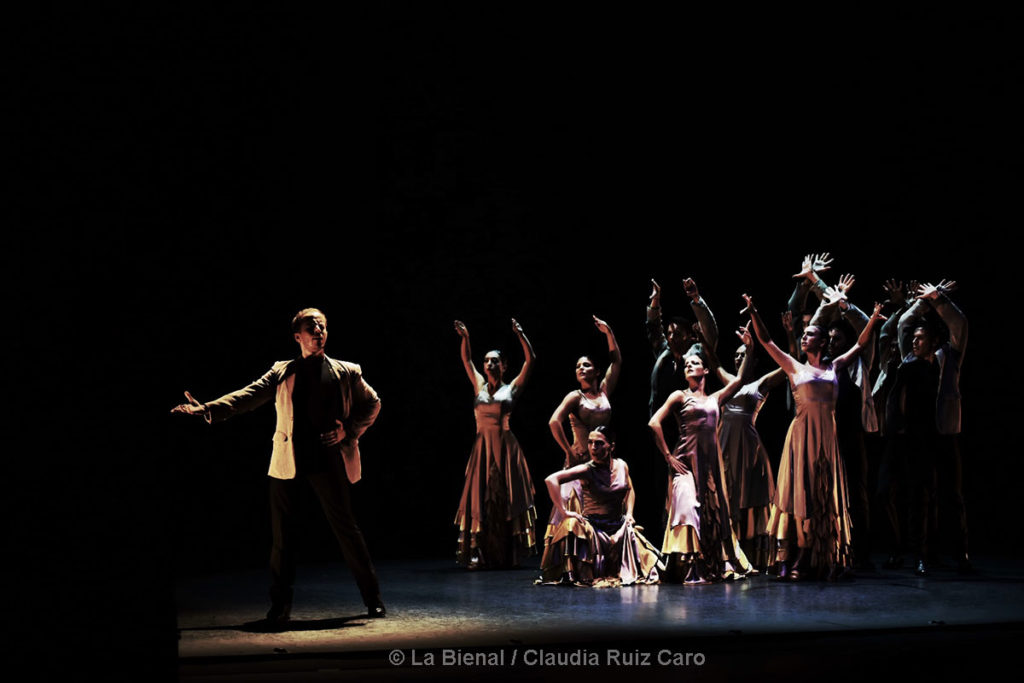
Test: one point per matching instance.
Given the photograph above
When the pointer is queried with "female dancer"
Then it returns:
(496, 516)
(601, 543)
(698, 534)
(811, 496)
(587, 408)
(748, 472)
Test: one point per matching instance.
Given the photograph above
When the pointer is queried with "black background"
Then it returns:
(194, 177)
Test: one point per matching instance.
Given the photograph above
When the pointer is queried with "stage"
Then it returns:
(446, 623)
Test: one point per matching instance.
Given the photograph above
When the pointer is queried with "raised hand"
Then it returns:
(690, 287)
(927, 291)
(601, 325)
(894, 288)
(517, 328)
(877, 312)
(744, 334)
(833, 295)
(655, 294)
(930, 291)
(845, 283)
(749, 301)
(193, 407)
(814, 263)
(460, 329)
(787, 321)
(821, 262)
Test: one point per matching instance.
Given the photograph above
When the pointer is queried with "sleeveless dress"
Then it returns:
(592, 414)
(812, 480)
(698, 505)
(496, 516)
(748, 472)
(586, 549)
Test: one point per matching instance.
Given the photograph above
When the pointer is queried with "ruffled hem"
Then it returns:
(579, 554)
(501, 544)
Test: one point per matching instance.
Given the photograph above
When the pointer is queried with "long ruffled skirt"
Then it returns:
(496, 517)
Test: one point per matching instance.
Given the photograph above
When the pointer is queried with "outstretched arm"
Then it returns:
(530, 357)
(557, 422)
(611, 377)
(193, 407)
(863, 340)
(952, 316)
(237, 402)
(898, 299)
(785, 361)
(467, 359)
(734, 385)
(655, 332)
(789, 325)
(705, 319)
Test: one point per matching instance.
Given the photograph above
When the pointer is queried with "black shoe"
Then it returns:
(376, 611)
(278, 617)
(921, 569)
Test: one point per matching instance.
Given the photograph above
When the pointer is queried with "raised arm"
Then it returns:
(898, 299)
(467, 358)
(734, 385)
(862, 341)
(789, 325)
(611, 377)
(785, 361)
(705, 319)
(530, 357)
(557, 422)
(655, 331)
(951, 315)
(909, 322)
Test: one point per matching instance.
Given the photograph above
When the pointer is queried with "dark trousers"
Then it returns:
(331, 486)
(893, 483)
(936, 498)
(855, 460)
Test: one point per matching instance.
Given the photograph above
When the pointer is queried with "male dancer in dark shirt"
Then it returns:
(323, 407)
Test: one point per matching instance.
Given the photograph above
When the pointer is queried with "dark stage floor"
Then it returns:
(446, 623)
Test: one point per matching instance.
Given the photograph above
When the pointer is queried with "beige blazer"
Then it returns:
(359, 405)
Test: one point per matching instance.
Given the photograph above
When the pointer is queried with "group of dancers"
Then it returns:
(728, 515)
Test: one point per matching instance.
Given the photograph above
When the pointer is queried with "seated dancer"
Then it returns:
(496, 516)
(698, 534)
(601, 546)
(587, 408)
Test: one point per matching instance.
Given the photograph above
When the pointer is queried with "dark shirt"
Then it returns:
(921, 385)
(316, 402)
(848, 404)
